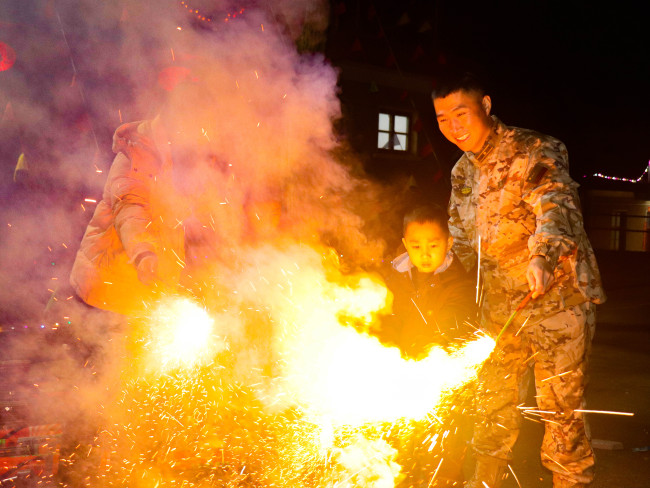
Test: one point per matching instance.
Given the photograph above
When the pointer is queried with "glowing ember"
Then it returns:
(181, 335)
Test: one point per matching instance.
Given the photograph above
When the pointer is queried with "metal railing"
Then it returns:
(622, 234)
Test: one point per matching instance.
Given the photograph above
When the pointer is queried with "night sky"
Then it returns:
(570, 69)
(566, 68)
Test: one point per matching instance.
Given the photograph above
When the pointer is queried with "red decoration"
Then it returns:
(404, 19)
(417, 125)
(426, 150)
(356, 46)
(417, 53)
(425, 27)
(7, 56)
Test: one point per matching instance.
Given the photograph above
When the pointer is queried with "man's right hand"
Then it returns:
(540, 275)
(148, 269)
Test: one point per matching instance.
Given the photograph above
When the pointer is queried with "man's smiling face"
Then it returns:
(464, 119)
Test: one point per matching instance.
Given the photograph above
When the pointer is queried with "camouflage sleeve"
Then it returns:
(462, 245)
(552, 194)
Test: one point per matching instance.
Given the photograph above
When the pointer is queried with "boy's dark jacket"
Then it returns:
(435, 312)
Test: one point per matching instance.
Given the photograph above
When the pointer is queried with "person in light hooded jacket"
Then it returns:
(135, 245)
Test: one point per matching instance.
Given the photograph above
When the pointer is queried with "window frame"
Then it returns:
(392, 133)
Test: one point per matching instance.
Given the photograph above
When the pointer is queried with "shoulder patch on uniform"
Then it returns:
(537, 173)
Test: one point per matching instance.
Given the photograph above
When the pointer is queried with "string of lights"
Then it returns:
(209, 18)
(619, 178)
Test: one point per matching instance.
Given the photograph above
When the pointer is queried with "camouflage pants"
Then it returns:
(557, 349)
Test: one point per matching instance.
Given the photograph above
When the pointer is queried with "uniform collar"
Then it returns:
(490, 143)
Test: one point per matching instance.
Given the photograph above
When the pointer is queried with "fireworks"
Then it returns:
(270, 387)
(180, 335)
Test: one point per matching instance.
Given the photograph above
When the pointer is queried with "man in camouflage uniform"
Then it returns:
(512, 193)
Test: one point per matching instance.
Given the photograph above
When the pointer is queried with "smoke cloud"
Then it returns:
(268, 179)
(265, 109)
(83, 68)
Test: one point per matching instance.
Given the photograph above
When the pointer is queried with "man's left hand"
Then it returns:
(540, 275)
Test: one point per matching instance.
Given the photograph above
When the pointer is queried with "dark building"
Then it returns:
(617, 213)
(388, 56)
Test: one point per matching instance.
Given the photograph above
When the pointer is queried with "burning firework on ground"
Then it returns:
(269, 388)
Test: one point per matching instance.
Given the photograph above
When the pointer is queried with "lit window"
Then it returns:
(393, 132)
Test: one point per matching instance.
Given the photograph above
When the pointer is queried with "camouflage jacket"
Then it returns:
(517, 195)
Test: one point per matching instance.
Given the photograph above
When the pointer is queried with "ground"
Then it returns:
(619, 382)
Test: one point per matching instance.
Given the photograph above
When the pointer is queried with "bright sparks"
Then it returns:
(181, 335)
(352, 379)
(335, 372)
(281, 383)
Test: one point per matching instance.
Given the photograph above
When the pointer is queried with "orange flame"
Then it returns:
(328, 382)
(333, 371)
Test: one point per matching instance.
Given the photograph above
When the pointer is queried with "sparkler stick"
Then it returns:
(581, 410)
(435, 473)
(559, 464)
(521, 305)
(627, 414)
(513, 474)
(478, 271)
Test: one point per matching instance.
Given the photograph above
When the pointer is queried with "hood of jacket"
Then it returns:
(403, 264)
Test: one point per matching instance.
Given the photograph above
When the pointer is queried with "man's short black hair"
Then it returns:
(458, 80)
(427, 213)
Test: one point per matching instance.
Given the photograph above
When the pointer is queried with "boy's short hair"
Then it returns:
(427, 213)
(458, 80)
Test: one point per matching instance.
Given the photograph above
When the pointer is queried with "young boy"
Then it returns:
(433, 295)
(434, 299)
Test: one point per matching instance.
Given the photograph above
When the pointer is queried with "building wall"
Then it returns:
(366, 91)
(617, 220)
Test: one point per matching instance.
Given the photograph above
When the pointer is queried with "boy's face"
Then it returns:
(427, 244)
